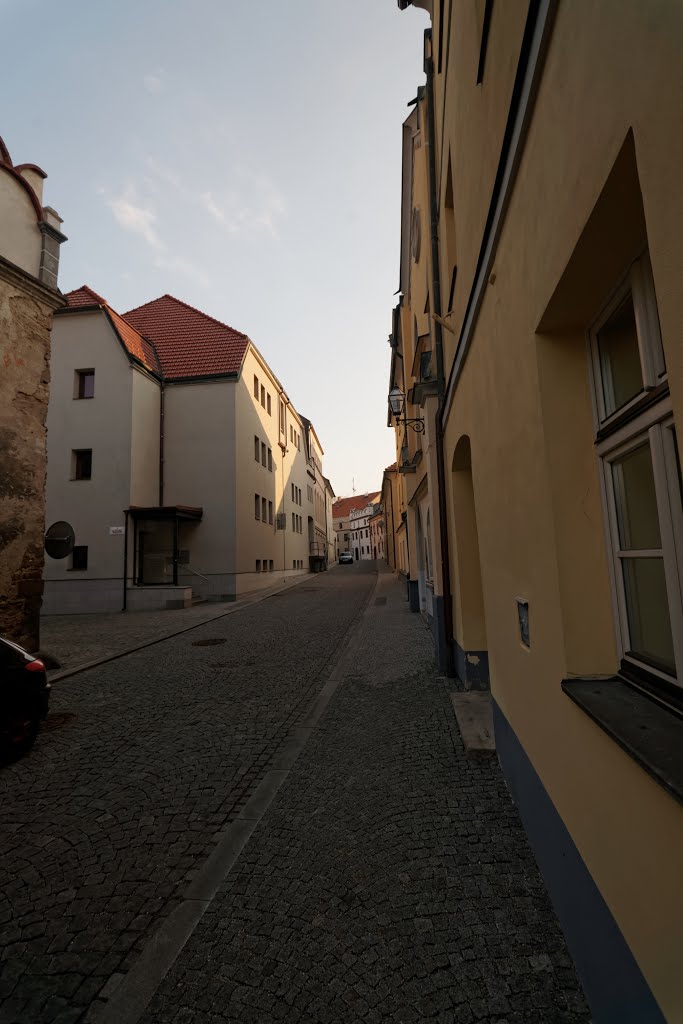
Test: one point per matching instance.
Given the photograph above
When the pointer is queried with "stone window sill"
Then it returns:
(648, 731)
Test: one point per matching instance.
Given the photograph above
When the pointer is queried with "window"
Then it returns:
(294, 563)
(265, 565)
(257, 506)
(263, 396)
(291, 433)
(268, 404)
(82, 464)
(270, 459)
(293, 522)
(264, 459)
(85, 384)
(270, 512)
(283, 427)
(271, 565)
(79, 557)
(346, 536)
(258, 565)
(255, 386)
(293, 495)
(264, 510)
(257, 448)
(636, 442)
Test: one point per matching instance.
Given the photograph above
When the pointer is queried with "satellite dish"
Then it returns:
(59, 540)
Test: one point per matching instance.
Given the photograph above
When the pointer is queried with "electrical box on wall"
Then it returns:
(523, 617)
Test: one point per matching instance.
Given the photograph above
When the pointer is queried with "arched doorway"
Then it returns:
(469, 627)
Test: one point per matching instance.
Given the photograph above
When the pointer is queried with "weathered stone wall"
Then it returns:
(25, 324)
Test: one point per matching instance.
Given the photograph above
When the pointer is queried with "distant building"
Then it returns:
(30, 238)
(347, 515)
(376, 523)
(177, 457)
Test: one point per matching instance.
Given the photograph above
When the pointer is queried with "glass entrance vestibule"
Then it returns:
(162, 543)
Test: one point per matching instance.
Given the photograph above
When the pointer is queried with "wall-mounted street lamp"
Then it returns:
(397, 404)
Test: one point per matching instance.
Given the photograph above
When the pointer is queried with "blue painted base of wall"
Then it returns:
(444, 656)
(472, 668)
(614, 985)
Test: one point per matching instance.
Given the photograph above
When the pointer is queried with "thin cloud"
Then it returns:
(154, 83)
(183, 267)
(162, 173)
(135, 217)
(240, 211)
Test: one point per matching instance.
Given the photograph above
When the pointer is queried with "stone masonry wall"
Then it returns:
(25, 324)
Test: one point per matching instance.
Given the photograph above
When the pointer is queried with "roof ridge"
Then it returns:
(89, 290)
(180, 302)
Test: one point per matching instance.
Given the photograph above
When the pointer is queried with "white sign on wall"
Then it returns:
(116, 531)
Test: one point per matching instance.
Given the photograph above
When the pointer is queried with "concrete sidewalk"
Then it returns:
(78, 642)
(382, 874)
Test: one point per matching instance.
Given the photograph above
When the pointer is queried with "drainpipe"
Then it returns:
(125, 561)
(161, 445)
(445, 654)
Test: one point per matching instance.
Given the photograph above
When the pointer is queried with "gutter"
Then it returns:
(537, 32)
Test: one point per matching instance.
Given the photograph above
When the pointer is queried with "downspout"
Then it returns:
(161, 445)
(125, 562)
(445, 649)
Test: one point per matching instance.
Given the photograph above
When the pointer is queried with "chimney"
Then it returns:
(52, 239)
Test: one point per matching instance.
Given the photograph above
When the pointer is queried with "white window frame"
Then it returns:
(639, 283)
(654, 426)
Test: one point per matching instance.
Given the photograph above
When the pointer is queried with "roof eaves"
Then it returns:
(228, 375)
(130, 356)
(77, 309)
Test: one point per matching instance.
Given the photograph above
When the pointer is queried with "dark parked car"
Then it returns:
(24, 699)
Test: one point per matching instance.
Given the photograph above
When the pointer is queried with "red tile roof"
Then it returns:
(137, 346)
(82, 297)
(392, 468)
(171, 338)
(344, 506)
(189, 343)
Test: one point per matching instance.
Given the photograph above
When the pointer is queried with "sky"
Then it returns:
(244, 156)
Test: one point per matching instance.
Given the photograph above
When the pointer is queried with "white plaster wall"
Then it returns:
(144, 469)
(199, 470)
(82, 341)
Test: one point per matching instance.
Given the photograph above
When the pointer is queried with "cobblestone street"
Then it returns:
(383, 874)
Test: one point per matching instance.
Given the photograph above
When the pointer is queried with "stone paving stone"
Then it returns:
(390, 879)
(141, 763)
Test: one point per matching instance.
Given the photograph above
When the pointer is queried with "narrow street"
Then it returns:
(254, 822)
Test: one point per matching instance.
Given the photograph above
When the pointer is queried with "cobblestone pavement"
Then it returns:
(76, 640)
(140, 765)
(390, 879)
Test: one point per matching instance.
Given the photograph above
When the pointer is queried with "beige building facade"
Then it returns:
(177, 457)
(553, 292)
(350, 519)
(30, 238)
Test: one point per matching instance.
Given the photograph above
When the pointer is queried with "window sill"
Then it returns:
(646, 730)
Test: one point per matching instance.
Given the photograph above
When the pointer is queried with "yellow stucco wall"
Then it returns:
(259, 540)
(523, 400)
